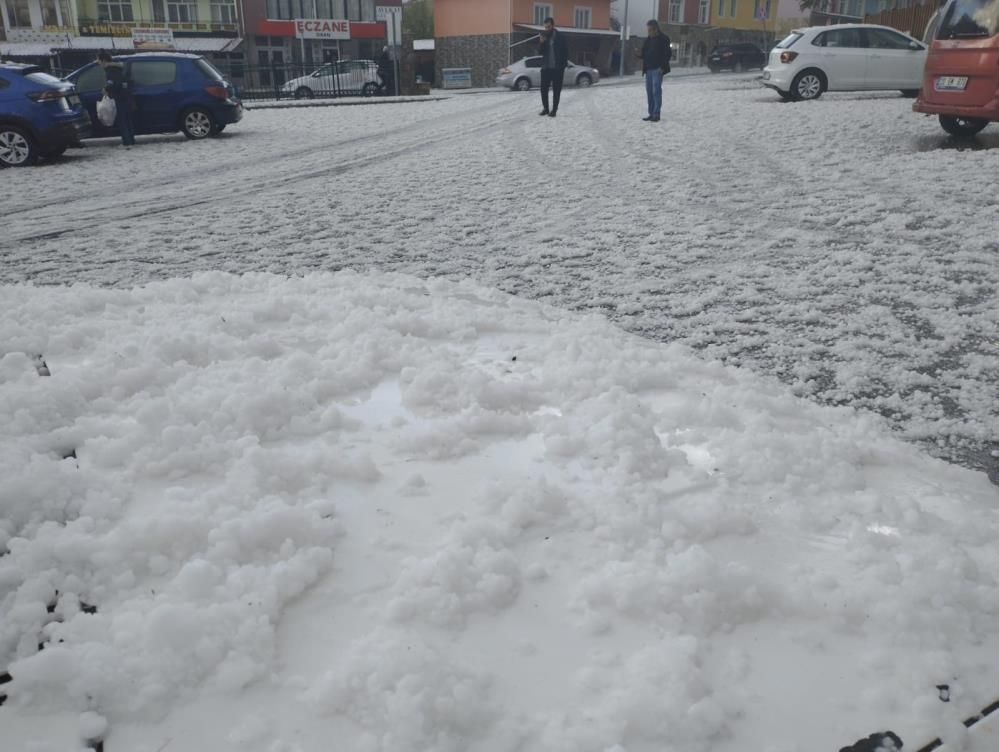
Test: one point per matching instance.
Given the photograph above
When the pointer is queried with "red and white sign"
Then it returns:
(322, 28)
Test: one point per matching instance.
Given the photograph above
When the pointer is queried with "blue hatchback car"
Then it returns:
(172, 91)
(40, 116)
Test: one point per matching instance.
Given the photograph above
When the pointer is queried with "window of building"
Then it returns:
(721, 8)
(115, 10)
(354, 10)
(761, 10)
(584, 18)
(367, 10)
(733, 8)
(676, 11)
(223, 11)
(703, 11)
(182, 12)
(541, 12)
(18, 14)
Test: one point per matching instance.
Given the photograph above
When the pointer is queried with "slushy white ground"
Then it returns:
(374, 512)
(839, 245)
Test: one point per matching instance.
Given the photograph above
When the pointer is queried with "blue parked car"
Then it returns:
(40, 116)
(173, 92)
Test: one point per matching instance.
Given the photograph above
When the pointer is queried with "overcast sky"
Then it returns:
(639, 11)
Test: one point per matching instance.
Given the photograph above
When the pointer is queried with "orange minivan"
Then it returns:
(961, 77)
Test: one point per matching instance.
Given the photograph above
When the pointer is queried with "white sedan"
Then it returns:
(526, 72)
(846, 57)
(344, 78)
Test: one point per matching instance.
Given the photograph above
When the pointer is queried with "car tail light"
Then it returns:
(788, 57)
(219, 92)
(49, 95)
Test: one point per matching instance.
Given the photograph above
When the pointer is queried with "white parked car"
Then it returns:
(526, 73)
(845, 57)
(346, 78)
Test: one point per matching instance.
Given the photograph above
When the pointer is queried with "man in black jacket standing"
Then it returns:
(120, 90)
(554, 60)
(656, 54)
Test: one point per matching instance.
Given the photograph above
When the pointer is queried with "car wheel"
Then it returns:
(16, 147)
(910, 93)
(584, 79)
(522, 84)
(962, 127)
(715, 70)
(809, 84)
(197, 123)
(369, 89)
(304, 92)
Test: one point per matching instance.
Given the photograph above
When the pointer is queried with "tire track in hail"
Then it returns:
(152, 206)
(227, 172)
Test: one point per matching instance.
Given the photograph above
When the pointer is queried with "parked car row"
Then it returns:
(953, 73)
(41, 115)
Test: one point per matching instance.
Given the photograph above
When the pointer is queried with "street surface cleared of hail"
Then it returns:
(845, 246)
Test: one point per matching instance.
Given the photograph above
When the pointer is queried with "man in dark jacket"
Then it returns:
(120, 90)
(554, 60)
(656, 54)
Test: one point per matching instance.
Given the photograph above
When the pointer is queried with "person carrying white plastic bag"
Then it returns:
(107, 111)
(119, 89)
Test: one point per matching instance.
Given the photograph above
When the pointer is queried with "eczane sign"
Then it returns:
(322, 28)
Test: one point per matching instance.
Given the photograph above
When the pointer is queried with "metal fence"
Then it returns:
(347, 78)
(911, 20)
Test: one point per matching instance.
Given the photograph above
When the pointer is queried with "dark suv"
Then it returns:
(736, 57)
(173, 92)
(40, 116)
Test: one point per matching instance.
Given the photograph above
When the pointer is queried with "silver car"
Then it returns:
(345, 78)
(526, 73)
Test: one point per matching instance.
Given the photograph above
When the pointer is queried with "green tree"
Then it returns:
(418, 19)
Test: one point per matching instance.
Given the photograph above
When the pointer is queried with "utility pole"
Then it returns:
(624, 38)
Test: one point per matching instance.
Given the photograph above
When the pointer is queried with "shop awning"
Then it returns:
(592, 32)
(112, 44)
(25, 49)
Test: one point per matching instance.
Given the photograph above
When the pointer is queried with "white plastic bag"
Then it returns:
(107, 111)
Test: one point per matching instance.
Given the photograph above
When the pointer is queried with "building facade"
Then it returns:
(64, 34)
(486, 35)
(272, 40)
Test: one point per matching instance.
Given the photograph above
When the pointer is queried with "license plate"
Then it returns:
(951, 83)
(73, 100)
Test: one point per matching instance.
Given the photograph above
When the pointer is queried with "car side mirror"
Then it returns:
(915, 46)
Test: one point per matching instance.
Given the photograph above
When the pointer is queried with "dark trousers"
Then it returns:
(124, 112)
(551, 78)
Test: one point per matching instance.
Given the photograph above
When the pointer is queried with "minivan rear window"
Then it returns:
(789, 40)
(969, 18)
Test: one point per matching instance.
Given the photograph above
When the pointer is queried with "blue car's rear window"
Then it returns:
(44, 79)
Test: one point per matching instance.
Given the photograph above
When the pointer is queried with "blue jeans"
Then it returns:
(654, 90)
(123, 120)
